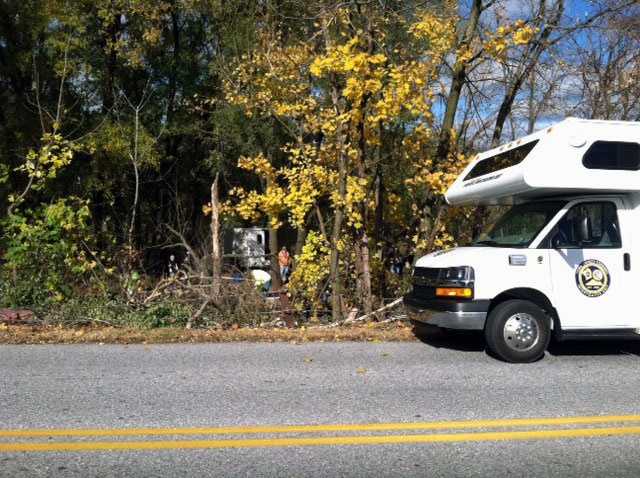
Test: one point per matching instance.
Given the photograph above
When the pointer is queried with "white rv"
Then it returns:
(563, 260)
(249, 246)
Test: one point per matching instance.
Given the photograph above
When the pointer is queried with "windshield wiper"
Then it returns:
(486, 243)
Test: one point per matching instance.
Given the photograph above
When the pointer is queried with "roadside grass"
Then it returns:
(47, 334)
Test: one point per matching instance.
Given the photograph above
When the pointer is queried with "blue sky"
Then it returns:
(574, 8)
(575, 11)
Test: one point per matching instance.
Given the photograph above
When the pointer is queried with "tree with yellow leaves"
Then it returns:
(337, 101)
(368, 74)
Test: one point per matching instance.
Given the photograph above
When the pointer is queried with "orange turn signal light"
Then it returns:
(464, 292)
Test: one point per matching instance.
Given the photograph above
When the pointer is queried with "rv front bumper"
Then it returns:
(448, 314)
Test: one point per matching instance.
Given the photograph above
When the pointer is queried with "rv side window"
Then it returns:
(613, 155)
(598, 222)
(501, 161)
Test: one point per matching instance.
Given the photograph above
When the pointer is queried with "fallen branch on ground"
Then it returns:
(362, 318)
(198, 313)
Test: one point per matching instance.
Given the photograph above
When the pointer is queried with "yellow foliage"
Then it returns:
(438, 31)
(258, 164)
(307, 183)
(272, 80)
(356, 195)
(253, 205)
(54, 154)
(336, 101)
(311, 267)
(506, 36)
(428, 177)
(524, 35)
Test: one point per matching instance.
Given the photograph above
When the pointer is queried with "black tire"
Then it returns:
(519, 345)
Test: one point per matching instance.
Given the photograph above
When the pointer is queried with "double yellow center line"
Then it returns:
(553, 428)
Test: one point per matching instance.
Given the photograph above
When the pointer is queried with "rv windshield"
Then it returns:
(519, 225)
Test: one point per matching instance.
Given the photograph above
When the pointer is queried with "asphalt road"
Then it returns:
(339, 409)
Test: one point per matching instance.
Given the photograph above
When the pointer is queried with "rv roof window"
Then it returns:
(613, 155)
(501, 161)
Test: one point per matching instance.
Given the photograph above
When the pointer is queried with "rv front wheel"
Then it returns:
(517, 331)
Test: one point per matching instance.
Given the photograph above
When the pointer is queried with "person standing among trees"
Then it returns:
(284, 259)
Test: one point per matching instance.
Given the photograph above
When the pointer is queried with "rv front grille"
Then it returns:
(424, 281)
(423, 276)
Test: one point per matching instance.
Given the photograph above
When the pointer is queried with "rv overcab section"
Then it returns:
(572, 157)
(563, 259)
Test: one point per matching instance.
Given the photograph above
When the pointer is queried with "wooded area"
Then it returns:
(133, 130)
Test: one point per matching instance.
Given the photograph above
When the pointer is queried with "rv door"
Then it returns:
(591, 288)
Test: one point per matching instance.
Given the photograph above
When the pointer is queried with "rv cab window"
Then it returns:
(520, 225)
(613, 155)
(599, 221)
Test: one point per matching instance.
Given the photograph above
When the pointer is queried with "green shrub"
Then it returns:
(47, 253)
(80, 311)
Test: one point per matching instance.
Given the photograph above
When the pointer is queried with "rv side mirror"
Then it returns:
(582, 230)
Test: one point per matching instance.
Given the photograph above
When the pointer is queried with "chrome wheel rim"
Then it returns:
(521, 332)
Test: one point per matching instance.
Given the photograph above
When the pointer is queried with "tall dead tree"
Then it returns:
(216, 252)
(136, 158)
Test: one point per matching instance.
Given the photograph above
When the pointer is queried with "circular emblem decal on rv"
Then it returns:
(592, 278)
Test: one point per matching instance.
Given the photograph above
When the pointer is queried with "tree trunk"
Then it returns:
(505, 109)
(301, 237)
(320, 220)
(440, 209)
(276, 281)
(173, 79)
(533, 114)
(457, 83)
(136, 194)
(478, 221)
(423, 230)
(379, 229)
(334, 257)
(110, 63)
(367, 299)
(364, 272)
(458, 79)
(358, 269)
(216, 253)
(528, 65)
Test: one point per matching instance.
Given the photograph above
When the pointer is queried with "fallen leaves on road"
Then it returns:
(361, 370)
(31, 334)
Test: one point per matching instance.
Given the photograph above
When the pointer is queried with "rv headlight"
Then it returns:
(459, 276)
